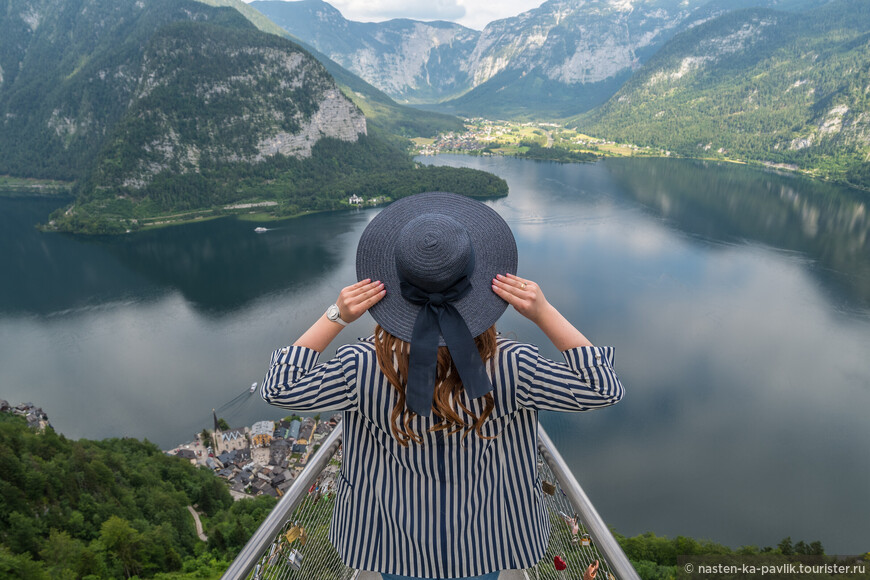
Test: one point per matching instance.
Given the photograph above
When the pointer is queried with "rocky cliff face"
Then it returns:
(236, 97)
(568, 41)
(336, 117)
(577, 41)
(576, 51)
(410, 61)
(123, 91)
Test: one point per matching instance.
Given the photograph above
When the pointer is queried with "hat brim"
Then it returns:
(495, 252)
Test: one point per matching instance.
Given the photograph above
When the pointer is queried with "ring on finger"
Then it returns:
(523, 285)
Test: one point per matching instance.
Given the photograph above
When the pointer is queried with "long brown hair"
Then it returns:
(393, 354)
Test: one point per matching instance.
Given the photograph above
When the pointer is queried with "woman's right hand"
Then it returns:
(354, 300)
(525, 296)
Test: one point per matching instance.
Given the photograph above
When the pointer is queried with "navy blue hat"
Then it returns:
(437, 254)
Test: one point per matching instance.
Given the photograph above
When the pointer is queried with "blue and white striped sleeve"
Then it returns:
(585, 381)
(295, 380)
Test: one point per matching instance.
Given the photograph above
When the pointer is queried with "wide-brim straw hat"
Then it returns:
(431, 237)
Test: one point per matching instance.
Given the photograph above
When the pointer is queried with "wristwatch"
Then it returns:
(334, 314)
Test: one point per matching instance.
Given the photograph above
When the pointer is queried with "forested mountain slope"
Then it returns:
(553, 61)
(114, 508)
(762, 85)
(380, 109)
(162, 106)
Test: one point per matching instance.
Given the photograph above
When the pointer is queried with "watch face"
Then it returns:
(332, 312)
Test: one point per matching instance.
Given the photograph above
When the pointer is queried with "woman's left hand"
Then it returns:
(525, 296)
(356, 299)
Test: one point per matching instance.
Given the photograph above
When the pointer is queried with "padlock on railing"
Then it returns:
(294, 533)
(295, 560)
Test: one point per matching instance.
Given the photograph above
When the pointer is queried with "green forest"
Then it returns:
(756, 85)
(371, 168)
(533, 150)
(117, 509)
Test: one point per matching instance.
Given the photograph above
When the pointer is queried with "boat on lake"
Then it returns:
(260, 230)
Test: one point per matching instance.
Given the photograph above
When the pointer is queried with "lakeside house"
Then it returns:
(262, 433)
(305, 431)
(322, 430)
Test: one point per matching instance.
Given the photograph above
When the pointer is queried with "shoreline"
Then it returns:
(484, 137)
(782, 169)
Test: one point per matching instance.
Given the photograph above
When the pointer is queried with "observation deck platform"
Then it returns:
(292, 542)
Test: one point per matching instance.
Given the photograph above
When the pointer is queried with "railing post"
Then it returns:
(604, 540)
(268, 530)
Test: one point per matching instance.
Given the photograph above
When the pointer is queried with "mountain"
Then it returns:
(381, 110)
(167, 106)
(761, 85)
(254, 16)
(559, 59)
(409, 60)
(566, 55)
(562, 49)
(182, 84)
(68, 73)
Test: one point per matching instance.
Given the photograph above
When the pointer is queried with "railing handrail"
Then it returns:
(601, 535)
(268, 530)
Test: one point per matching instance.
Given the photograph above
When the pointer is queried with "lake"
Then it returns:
(738, 302)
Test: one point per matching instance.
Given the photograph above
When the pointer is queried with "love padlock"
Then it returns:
(548, 487)
(573, 526)
(295, 560)
(293, 533)
(585, 540)
(559, 563)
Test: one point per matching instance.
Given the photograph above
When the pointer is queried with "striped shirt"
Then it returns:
(451, 507)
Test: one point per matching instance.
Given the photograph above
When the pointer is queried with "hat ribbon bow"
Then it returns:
(437, 316)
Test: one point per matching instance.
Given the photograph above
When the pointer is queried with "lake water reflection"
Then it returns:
(738, 302)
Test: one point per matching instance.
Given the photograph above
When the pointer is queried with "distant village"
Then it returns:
(35, 416)
(486, 137)
(264, 458)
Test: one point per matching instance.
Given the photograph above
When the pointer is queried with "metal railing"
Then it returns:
(579, 535)
(268, 553)
(292, 542)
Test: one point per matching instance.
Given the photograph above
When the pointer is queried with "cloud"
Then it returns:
(482, 13)
(415, 9)
(471, 13)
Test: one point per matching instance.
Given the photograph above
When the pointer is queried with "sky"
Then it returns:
(471, 13)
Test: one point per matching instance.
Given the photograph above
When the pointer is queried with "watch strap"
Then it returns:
(334, 314)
